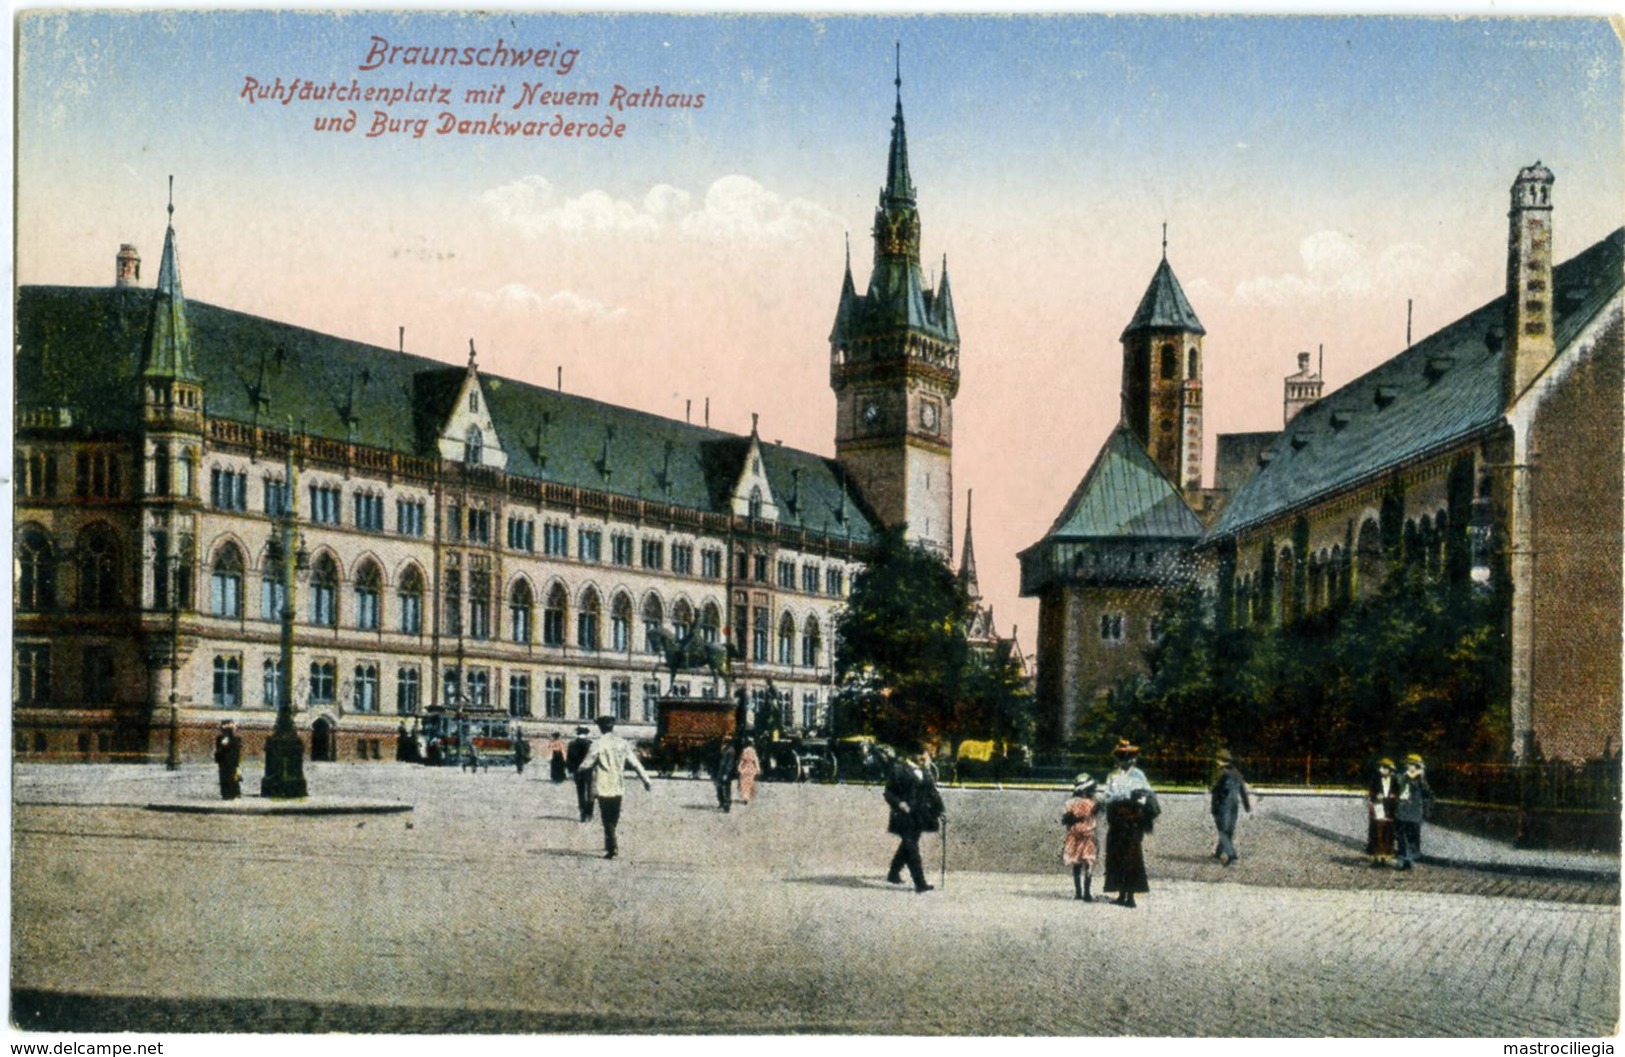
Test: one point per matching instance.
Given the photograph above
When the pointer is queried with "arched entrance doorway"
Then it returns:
(323, 744)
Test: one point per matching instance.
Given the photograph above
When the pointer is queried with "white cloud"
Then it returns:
(1338, 267)
(735, 208)
(565, 304)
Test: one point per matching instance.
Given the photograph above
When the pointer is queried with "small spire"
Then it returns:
(1164, 240)
(471, 354)
(898, 81)
(753, 418)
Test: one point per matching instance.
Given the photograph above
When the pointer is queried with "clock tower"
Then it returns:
(1162, 378)
(894, 366)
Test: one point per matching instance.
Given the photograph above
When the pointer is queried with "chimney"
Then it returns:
(1302, 389)
(1529, 345)
(128, 269)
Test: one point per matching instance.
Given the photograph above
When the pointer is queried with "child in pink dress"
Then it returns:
(1079, 852)
(749, 767)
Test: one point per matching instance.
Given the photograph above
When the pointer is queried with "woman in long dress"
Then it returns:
(555, 758)
(749, 767)
(1079, 851)
(1127, 796)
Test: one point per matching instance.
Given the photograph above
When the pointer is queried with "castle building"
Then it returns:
(463, 537)
(1488, 451)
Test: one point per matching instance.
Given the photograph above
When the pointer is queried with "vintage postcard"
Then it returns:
(800, 525)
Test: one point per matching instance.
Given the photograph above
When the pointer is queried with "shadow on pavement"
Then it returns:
(844, 881)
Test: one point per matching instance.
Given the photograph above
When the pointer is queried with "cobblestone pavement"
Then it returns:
(488, 908)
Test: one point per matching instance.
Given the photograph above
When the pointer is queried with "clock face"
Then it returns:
(871, 412)
(929, 416)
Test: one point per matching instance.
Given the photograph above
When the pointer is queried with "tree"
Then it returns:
(900, 645)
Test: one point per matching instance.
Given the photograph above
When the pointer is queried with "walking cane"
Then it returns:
(942, 878)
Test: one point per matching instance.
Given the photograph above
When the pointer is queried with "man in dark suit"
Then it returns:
(916, 808)
(1230, 796)
(580, 746)
(228, 756)
(724, 774)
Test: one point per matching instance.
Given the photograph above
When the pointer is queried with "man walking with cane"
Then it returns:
(916, 808)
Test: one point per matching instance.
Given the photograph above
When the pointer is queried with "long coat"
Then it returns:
(914, 787)
(1229, 796)
(228, 756)
(1381, 806)
(1415, 797)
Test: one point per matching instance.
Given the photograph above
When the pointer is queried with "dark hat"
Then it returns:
(228, 723)
(1125, 750)
(606, 723)
(583, 729)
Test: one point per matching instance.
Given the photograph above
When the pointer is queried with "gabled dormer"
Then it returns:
(752, 495)
(468, 434)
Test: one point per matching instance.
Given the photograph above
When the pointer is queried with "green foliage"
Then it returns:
(903, 664)
(1418, 668)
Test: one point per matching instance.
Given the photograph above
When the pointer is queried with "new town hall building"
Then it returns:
(462, 537)
(1489, 451)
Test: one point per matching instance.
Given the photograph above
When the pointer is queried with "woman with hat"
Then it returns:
(1415, 797)
(1131, 804)
(1079, 851)
(1382, 800)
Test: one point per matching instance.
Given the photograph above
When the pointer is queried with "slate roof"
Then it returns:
(1125, 496)
(1164, 306)
(81, 347)
(1439, 391)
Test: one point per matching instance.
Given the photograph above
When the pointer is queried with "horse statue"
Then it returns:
(681, 655)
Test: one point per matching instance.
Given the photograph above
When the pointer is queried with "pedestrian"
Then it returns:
(521, 750)
(1230, 796)
(1079, 851)
(403, 744)
(555, 757)
(605, 766)
(724, 774)
(228, 757)
(916, 808)
(1414, 801)
(1131, 807)
(1382, 800)
(749, 767)
(580, 746)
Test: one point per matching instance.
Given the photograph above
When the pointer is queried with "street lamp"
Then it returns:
(284, 753)
(170, 564)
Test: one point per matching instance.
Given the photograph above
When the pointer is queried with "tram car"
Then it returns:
(468, 738)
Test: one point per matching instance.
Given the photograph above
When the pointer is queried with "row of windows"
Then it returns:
(97, 475)
(226, 600)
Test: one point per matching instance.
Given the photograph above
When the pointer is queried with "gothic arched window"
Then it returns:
(36, 572)
(226, 582)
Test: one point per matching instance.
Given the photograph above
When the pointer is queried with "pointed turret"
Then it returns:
(942, 306)
(1162, 377)
(1164, 306)
(967, 561)
(169, 347)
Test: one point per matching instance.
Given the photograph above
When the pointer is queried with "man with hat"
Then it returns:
(916, 808)
(580, 746)
(1131, 805)
(1415, 797)
(1382, 801)
(604, 767)
(1229, 796)
(228, 756)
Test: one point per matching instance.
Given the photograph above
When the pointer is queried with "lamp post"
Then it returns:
(173, 762)
(284, 753)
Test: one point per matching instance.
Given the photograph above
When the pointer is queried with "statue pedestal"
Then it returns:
(284, 766)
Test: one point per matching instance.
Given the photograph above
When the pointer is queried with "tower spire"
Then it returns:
(169, 347)
(899, 187)
(967, 561)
